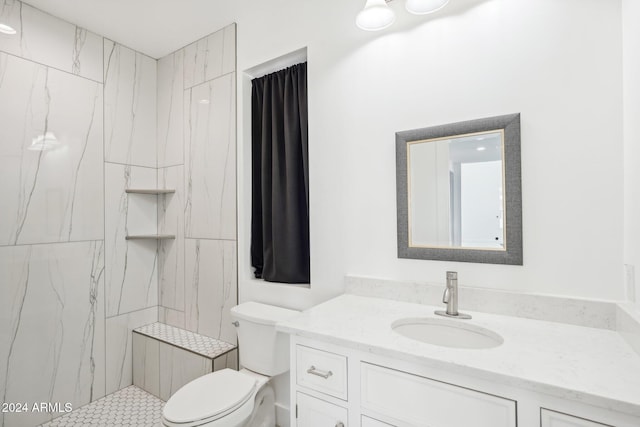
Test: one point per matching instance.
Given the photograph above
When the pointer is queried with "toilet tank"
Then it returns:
(262, 349)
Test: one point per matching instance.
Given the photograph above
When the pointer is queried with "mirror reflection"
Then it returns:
(456, 191)
(459, 192)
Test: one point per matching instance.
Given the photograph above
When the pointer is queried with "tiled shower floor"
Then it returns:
(130, 406)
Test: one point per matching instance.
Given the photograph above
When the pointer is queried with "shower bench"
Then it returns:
(165, 358)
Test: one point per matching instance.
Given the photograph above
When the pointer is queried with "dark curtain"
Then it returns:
(280, 176)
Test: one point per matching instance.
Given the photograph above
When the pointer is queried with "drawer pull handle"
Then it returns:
(313, 371)
(339, 424)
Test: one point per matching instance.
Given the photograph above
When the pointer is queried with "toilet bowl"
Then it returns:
(225, 398)
(228, 398)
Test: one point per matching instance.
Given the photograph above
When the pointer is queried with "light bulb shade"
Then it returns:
(422, 7)
(375, 16)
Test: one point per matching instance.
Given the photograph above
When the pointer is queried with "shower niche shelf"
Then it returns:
(151, 237)
(156, 191)
(153, 192)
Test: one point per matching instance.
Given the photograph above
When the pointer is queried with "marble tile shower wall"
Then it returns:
(52, 248)
(130, 106)
(131, 275)
(72, 288)
(197, 156)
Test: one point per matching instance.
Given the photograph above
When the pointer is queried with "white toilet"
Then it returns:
(229, 398)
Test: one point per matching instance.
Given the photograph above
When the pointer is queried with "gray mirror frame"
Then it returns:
(513, 192)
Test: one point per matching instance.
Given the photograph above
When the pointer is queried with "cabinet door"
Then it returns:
(370, 422)
(415, 400)
(313, 412)
(557, 419)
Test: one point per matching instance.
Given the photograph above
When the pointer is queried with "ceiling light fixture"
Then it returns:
(376, 15)
(5, 29)
(423, 7)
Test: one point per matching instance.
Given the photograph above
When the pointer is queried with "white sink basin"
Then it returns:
(447, 333)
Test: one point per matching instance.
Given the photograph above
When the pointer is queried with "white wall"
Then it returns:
(557, 63)
(429, 192)
(482, 204)
(631, 81)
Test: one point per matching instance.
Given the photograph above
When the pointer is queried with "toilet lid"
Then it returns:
(210, 396)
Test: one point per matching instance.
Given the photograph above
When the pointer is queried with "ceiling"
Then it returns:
(153, 27)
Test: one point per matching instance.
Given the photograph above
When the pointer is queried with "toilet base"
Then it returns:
(264, 412)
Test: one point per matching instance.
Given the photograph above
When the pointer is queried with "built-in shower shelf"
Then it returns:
(151, 237)
(150, 191)
(154, 192)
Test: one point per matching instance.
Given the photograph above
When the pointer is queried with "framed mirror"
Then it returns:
(459, 192)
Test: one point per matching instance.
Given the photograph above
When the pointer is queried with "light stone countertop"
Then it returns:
(589, 365)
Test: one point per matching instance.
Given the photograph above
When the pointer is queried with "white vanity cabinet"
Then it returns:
(336, 386)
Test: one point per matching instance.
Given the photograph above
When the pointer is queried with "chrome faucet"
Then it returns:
(450, 298)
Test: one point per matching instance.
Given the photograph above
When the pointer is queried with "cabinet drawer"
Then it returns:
(321, 371)
(370, 422)
(418, 400)
(550, 418)
(313, 412)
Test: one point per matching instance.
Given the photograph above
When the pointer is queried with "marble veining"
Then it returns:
(129, 106)
(119, 343)
(210, 174)
(89, 331)
(546, 357)
(196, 155)
(575, 311)
(17, 305)
(210, 57)
(50, 193)
(131, 280)
(171, 253)
(170, 110)
(210, 287)
(80, 163)
(146, 364)
(47, 40)
(79, 42)
(44, 295)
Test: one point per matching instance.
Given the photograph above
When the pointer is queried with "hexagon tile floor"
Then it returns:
(130, 406)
